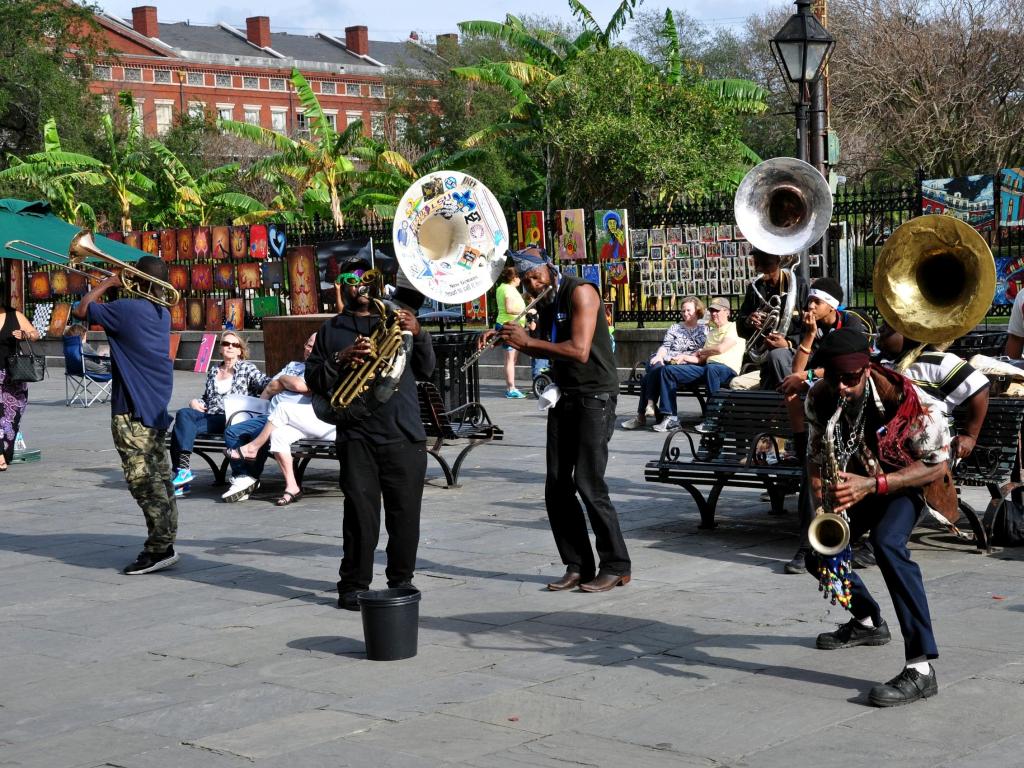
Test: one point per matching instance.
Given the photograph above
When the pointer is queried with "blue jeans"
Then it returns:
(238, 434)
(538, 366)
(714, 375)
(188, 422)
(650, 386)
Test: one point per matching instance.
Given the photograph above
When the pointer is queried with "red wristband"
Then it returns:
(881, 485)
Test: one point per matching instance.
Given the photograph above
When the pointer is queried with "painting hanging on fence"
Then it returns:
(570, 234)
(178, 316)
(592, 274)
(302, 279)
(266, 306)
(239, 242)
(1011, 197)
(530, 228)
(276, 241)
(612, 234)
(168, 244)
(202, 277)
(224, 276)
(258, 241)
(16, 283)
(221, 242)
(151, 242)
(59, 282)
(39, 286)
(1009, 278)
(248, 275)
(234, 314)
(177, 275)
(968, 198)
(273, 274)
(194, 315)
(201, 242)
(185, 244)
(59, 319)
(214, 314)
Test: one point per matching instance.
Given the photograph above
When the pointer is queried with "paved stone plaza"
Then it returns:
(238, 657)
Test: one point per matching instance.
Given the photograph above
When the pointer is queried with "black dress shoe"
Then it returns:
(909, 685)
(348, 601)
(852, 634)
(571, 580)
(606, 581)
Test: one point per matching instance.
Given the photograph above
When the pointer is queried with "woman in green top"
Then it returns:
(510, 304)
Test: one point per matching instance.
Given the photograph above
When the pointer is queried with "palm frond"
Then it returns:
(516, 36)
(739, 95)
(257, 134)
(674, 63)
(586, 18)
(618, 20)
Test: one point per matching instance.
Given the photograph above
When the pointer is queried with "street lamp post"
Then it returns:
(181, 94)
(801, 50)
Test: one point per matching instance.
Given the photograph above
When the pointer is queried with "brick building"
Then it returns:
(242, 74)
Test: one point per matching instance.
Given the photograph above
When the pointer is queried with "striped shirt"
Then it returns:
(948, 378)
(680, 339)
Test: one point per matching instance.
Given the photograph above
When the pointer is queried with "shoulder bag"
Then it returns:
(26, 368)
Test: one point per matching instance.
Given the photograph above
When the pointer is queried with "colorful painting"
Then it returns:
(674, 235)
(39, 286)
(59, 282)
(591, 273)
(16, 283)
(185, 244)
(194, 315)
(638, 243)
(273, 274)
(59, 319)
(266, 306)
(617, 273)
(177, 275)
(258, 241)
(201, 242)
(134, 239)
(530, 228)
(178, 316)
(570, 270)
(1011, 197)
(214, 314)
(1009, 278)
(202, 277)
(968, 198)
(724, 232)
(220, 238)
(248, 275)
(570, 234)
(276, 241)
(612, 239)
(302, 279)
(475, 311)
(239, 242)
(117, 237)
(78, 285)
(224, 276)
(205, 353)
(168, 244)
(234, 314)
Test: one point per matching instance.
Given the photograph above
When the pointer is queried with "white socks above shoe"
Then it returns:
(867, 622)
(921, 667)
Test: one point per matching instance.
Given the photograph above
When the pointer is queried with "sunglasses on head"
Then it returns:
(850, 379)
(359, 277)
(231, 344)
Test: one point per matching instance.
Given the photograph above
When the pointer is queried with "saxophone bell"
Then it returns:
(829, 534)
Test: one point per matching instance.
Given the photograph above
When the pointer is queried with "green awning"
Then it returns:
(34, 223)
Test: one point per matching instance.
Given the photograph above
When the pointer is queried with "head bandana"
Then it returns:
(828, 298)
(529, 258)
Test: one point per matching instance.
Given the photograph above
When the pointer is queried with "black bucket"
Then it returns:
(390, 622)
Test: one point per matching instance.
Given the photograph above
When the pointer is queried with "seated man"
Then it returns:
(685, 337)
(289, 384)
(94, 361)
(714, 364)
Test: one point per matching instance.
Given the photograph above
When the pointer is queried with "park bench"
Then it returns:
(468, 423)
(738, 447)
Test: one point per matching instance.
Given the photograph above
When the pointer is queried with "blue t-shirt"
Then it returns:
(143, 372)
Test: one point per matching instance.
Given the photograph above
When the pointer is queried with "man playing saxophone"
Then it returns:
(384, 453)
(894, 443)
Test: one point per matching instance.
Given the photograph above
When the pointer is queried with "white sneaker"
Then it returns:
(649, 411)
(634, 423)
(703, 428)
(241, 489)
(666, 424)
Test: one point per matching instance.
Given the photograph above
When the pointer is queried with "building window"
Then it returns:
(137, 118)
(277, 83)
(164, 118)
(279, 120)
(196, 78)
(401, 126)
(197, 109)
(223, 81)
(301, 124)
(252, 115)
(351, 117)
(377, 125)
(377, 91)
(332, 119)
(161, 75)
(251, 83)
(329, 88)
(226, 111)
(101, 72)
(353, 89)
(133, 74)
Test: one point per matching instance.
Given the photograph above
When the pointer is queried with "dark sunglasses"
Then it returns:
(846, 379)
(358, 278)
(230, 344)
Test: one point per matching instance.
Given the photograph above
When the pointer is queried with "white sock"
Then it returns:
(868, 622)
(922, 667)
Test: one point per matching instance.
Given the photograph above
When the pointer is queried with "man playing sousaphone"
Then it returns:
(890, 445)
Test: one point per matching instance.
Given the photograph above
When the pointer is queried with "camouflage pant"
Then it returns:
(148, 472)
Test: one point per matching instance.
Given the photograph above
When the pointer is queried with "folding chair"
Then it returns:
(80, 386)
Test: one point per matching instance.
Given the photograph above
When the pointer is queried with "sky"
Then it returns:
(394, 19)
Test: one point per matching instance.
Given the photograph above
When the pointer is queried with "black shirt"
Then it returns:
(399, 417)
(752, 303)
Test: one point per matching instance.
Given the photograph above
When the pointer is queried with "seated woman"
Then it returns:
(92, 364)
(715, 363)
(683, 338)
(234, 376)
(289, 420)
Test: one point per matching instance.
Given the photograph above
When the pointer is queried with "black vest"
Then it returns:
(597, 375)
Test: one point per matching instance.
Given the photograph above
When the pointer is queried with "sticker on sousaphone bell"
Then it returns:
(450, 237)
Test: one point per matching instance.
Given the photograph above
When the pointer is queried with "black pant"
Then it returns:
(579, 428)
(369, 472)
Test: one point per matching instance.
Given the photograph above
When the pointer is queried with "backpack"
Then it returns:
(1005, 524)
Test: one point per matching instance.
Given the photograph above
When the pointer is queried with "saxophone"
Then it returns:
(829, 531)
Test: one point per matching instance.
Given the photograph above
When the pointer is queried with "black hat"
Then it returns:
(842, 351)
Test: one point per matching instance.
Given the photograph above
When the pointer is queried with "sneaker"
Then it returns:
(514, 394)
(909, 685)
(666, 424)
(242, 487)
(184, 477)
(182, 490)
(852, 634)
(703, 428)
(148, 562)
(348, 601)
(634, 423)
(798, 564)
(649, 411)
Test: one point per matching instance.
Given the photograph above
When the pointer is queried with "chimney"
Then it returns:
(414, 36)
(447, 44)
(257, 31)
(357, 40)
(144, 21)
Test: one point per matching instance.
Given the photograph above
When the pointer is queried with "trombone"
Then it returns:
(133, 280)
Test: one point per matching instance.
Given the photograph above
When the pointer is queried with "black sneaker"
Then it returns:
(798, 564)
(148, 562)
(852, 634)
(909, 685)
(348, 601)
